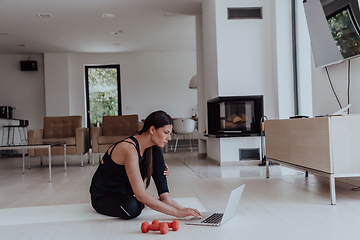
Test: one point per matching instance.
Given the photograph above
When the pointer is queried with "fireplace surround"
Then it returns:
(235, 116)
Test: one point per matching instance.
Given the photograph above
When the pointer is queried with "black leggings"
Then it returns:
(125, 206)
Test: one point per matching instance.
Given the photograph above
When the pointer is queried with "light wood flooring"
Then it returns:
(285, 206)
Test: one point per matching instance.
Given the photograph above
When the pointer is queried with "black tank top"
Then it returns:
(111, 177)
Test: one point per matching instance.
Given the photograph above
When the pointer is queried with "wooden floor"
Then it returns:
(285, 206)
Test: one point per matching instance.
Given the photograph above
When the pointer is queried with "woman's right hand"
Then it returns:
(185, 212)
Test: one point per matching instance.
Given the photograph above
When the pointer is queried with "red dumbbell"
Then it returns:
(174, 225)
(162, 227)
(155, 222)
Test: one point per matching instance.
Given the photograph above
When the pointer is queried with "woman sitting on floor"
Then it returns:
(117, 187)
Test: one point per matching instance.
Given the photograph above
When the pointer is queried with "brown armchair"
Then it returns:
(68, 129)
(114, 129)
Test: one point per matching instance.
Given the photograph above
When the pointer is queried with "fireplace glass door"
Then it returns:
(232, 116)
(236, 116)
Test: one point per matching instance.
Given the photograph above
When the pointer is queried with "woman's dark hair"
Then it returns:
(157, 119)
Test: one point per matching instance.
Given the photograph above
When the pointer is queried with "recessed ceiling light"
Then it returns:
(4, 33)
(21, 45)
(43, 15)
(169, 14)
(114, 33)
(108, 15)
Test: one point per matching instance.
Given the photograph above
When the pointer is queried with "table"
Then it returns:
(34, 146)
(325, 146)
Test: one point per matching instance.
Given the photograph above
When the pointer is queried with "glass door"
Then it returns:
(102, 93)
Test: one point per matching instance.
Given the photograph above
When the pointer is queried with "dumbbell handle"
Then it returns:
(169, 224)
(154, 227)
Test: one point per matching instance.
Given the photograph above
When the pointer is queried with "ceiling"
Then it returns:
(77, 26)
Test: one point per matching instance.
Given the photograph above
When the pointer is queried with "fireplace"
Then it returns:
(235, 116)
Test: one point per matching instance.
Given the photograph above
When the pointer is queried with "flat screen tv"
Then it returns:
(333, 29)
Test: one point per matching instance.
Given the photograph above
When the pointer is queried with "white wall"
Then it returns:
(324, 100)
(23, 90)
(283, 66)
(244, 50)
(245, 53)
(202, 111)
(231, 146)
(56, 72)
(149, 81)
(210, 50)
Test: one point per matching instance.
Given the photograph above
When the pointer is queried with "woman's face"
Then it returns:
(161, 135)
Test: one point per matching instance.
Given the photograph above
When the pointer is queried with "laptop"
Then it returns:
(218, 219)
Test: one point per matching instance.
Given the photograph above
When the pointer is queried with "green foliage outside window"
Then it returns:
(103, 96)
(344, 33)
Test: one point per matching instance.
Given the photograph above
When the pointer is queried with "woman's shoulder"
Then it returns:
(123, 151)
(126, 145)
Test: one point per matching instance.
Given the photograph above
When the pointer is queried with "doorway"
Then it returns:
(103, 95)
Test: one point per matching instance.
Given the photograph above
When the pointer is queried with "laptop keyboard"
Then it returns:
(213, 219)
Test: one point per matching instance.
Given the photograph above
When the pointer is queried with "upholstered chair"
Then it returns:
(57, 129)
(113, 129)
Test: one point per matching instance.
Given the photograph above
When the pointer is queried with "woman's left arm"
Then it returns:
(160, 171)
(159, 175)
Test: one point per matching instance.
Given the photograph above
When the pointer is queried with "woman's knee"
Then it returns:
(132, 208)
(124, 206)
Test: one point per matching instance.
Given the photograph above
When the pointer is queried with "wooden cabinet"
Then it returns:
(328, 145)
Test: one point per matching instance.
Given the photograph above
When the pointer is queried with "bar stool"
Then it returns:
(22, 129)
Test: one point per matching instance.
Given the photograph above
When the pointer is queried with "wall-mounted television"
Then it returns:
(334, 30)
